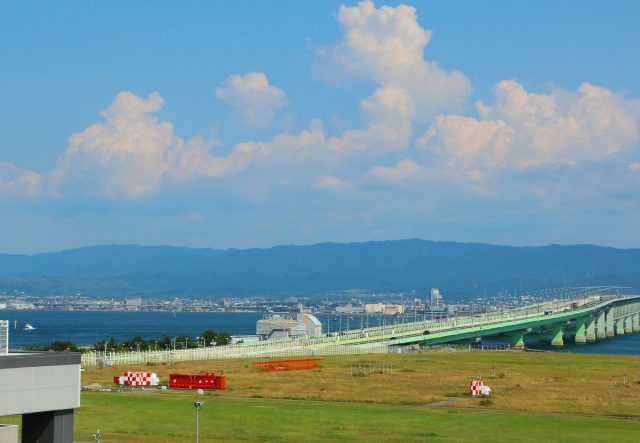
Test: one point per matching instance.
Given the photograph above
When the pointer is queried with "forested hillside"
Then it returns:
(460, 269)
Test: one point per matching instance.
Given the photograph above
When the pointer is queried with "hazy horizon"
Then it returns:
(310, 244)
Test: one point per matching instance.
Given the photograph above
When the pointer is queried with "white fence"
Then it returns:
(222, 352)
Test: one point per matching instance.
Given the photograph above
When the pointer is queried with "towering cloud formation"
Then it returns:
(386, 45)
(125, 156)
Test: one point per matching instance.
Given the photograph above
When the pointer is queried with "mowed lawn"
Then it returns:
(147, 418)
(417, 397)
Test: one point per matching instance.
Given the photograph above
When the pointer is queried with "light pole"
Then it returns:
(197, 404)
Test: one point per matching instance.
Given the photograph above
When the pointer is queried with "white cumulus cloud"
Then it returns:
(132, 153)
(524, 129)
(253, 99)
(124, 156)
(386, 45)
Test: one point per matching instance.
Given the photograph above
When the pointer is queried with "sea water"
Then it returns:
(85, 328)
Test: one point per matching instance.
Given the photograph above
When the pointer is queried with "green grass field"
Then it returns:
(543, 398)
(147, 418)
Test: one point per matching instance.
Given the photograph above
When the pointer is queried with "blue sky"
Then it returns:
(253, 124)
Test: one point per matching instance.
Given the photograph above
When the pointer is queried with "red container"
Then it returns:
(197, 381)
(221, 382)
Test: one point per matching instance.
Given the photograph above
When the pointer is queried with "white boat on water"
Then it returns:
(28, 327)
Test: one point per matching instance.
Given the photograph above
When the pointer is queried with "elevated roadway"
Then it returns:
(585, 319)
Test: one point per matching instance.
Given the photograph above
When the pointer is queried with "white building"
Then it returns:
(382, 308)
(436, 299)
(43, 387)
(288, 325)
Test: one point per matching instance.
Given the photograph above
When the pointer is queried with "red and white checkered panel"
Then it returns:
(475, 387)
(139, 379)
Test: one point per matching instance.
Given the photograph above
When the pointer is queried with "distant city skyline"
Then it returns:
(219, 125)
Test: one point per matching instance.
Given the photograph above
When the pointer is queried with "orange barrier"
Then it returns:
(286, 365)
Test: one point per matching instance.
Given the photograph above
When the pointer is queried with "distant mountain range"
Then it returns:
(457, 269)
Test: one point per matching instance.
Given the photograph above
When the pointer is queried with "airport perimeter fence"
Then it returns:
(221, 352)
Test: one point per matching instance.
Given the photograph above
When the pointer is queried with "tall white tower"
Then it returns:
(4, 337)
(436, 298)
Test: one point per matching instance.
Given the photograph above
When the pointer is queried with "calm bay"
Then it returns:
(85, 328)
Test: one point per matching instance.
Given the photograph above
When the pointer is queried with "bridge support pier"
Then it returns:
(628, 328)
(556, 334)
(635, 322)
(517, 338)
(581, 336)
(609, 324)
(590, 329)
(619, 326)
(600, 333)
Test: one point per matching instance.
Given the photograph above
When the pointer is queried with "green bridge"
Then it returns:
(583, 319)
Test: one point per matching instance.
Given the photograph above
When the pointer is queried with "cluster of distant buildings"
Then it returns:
(81, 302)
(304, 323)
(435, 304)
